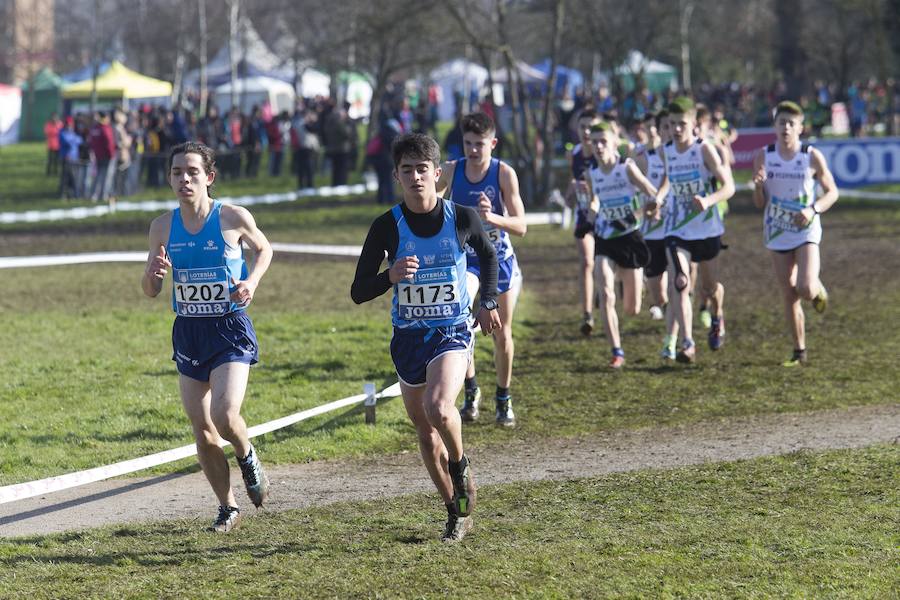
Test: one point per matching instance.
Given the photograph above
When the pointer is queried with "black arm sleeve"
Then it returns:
(368, 283)
(471, 231)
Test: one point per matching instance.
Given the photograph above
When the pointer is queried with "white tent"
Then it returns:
(527, 73)
(257, 91)
(657, 75)
(314, 83)
(460, 76)
(10, 114)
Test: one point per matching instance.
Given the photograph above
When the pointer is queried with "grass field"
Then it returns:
(800, 526)
(90, 381)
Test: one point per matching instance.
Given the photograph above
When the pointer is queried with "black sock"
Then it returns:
(456, 468)
(470, 385)
(502, 393)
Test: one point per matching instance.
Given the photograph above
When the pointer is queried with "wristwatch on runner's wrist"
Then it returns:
(489, 304)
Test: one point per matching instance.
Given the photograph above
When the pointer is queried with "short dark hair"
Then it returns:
(415, 145)
(703, 111)
(206, 153)
(478, 123)
(789, 107)
(662, 114)
(588, 113)
(681, 105)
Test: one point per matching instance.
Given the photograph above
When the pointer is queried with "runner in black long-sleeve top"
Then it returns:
(424, 241)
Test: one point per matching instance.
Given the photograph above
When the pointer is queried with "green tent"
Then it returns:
(36, 109)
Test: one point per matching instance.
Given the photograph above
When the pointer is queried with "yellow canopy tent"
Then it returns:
(119, 83)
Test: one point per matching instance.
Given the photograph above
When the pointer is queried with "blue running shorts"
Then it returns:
(508, 275)
(200, 344)
(414, 349)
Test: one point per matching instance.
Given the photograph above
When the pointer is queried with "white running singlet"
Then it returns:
(689, 177)
(790, 187)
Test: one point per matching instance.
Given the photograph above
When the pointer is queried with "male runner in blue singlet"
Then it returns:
(424, 239)
(492, 188)
(213, 339)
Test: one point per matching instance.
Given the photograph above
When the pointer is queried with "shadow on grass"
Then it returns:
(156, 557)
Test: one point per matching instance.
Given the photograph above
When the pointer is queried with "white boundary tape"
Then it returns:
(13, 262)
(84, 212)
(20, 491)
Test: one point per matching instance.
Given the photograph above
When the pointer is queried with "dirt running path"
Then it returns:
(124, 501)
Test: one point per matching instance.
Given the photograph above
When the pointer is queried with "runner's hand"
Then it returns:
(651, 210)
(760, 176)
(404, 268)
(699, 203)
(489, 320)
(242, 292)
(485, 208)
(804, 217)
(160, 265)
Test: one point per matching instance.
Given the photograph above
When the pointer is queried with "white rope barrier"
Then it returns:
(20, 491)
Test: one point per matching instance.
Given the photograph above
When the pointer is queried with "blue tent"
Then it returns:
(85, 73)
(567, 78)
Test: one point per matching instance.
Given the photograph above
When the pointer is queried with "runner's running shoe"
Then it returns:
(705, 316)
(667, 353)
(463, 490)
(616, 362)
(716, 334)
(456, 528)
(656, 313)
(688, 352)
(229, 518)
(469, 410)
(798, 359)
(504, 412)
(254, 478)
(820, 302)
(587, 325)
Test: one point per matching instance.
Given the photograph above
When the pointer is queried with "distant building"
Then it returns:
(26, 38)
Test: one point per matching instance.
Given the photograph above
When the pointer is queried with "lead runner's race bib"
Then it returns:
(202, 292)
(433, 294)
(781, 212)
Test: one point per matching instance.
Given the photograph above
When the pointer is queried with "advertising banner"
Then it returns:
(855, 162)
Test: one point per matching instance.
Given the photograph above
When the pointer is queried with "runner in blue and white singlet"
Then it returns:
(491, 187)
(578, 197)
(204, 265)
(618, 213)
(467, 193)
(437, 295)
(213, 339)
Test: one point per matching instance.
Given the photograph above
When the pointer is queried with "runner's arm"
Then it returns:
(759, 179)
(446, 179)
(514, 220)
(720, 171)
(637, 179)
(471, 232)
(158, 263)
(240, 219)
(826, 180)
(368, 283)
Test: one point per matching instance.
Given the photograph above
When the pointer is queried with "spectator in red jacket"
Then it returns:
(102, 141)
(51, 132)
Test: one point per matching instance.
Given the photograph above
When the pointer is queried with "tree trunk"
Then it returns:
(547, 129)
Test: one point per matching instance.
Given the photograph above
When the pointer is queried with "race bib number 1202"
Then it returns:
(201, 292)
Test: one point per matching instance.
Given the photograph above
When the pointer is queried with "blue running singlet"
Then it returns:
(466, 193)
(203, 265)
(437, 295)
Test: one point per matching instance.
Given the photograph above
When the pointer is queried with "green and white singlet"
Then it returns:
(689, 177)
(790, 187)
